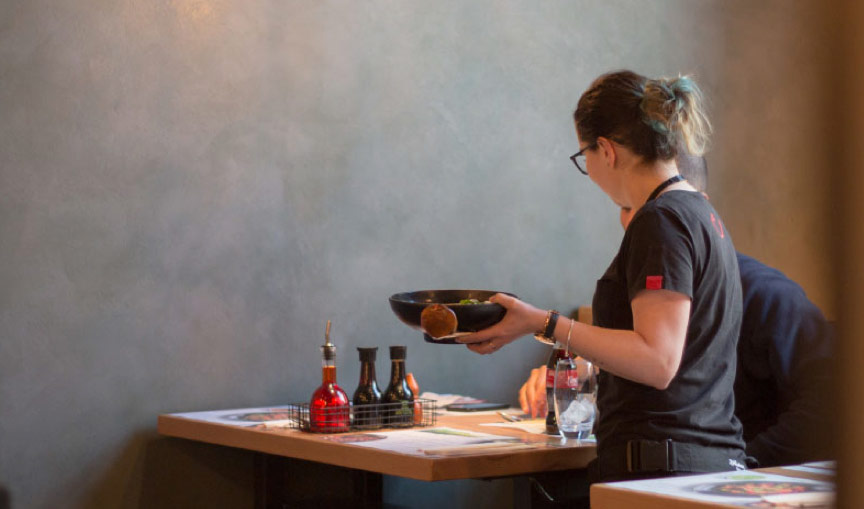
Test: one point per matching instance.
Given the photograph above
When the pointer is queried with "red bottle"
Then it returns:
(329, 409)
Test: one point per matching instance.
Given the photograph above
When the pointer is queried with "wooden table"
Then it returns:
(613, 496)
(548, 455)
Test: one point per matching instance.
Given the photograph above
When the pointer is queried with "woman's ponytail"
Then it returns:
(654, 118)
(672, 108)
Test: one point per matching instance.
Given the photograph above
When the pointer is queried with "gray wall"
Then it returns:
(189, 189)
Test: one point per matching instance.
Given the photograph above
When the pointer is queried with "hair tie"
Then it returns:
(679, 88)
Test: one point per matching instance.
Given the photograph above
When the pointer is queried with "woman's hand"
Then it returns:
(532, 395)
(521, 319)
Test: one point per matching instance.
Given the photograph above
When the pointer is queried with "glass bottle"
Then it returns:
(554, 356)
(329, 409)
(399, 409)
(575, 397)
(367, 397)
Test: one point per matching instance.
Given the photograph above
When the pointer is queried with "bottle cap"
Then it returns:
(367, 354)
(329, 352)
(397, 352)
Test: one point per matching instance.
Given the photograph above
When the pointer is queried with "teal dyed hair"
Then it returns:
(672, 108)
(657, 125)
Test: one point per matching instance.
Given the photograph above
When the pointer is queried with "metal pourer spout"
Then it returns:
(328, 349)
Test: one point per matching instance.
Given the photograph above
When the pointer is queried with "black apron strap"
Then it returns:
(649, 456)
(664, 185)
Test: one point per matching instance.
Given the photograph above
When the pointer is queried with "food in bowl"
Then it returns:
(438, 321)
(472, 309)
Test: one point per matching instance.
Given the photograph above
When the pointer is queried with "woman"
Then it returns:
(668, 309)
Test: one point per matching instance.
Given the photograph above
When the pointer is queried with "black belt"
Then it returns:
(646, 456)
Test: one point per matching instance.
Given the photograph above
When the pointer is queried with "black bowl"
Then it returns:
(470, 317)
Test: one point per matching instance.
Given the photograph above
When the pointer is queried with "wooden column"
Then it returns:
(849, 238)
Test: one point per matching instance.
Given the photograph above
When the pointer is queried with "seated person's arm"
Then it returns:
(532, 394)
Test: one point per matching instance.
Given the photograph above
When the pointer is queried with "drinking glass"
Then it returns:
(575, 397)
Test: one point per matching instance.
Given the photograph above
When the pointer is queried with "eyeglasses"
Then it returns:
(579, 159)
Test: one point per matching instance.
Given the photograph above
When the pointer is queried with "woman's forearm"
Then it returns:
(621, 352)
(650, 354)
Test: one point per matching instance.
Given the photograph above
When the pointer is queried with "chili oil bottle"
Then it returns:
(329, 409)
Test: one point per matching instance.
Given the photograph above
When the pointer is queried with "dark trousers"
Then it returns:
(571, 488)
(562, 489)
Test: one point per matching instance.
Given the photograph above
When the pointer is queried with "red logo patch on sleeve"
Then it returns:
(654, 283)
(718, 226)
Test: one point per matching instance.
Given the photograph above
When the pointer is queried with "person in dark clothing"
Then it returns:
(784, 356)
(668, 309)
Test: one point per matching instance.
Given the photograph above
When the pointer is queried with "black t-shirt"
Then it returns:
(676, 242)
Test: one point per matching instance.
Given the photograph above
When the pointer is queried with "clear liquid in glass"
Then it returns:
(575, 396)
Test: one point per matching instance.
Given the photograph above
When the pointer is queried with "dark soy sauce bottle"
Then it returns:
(398, 411)
(367, 397)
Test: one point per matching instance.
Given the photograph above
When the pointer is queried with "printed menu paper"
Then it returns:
(744, 487)
(280, 414)
(429, 441)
